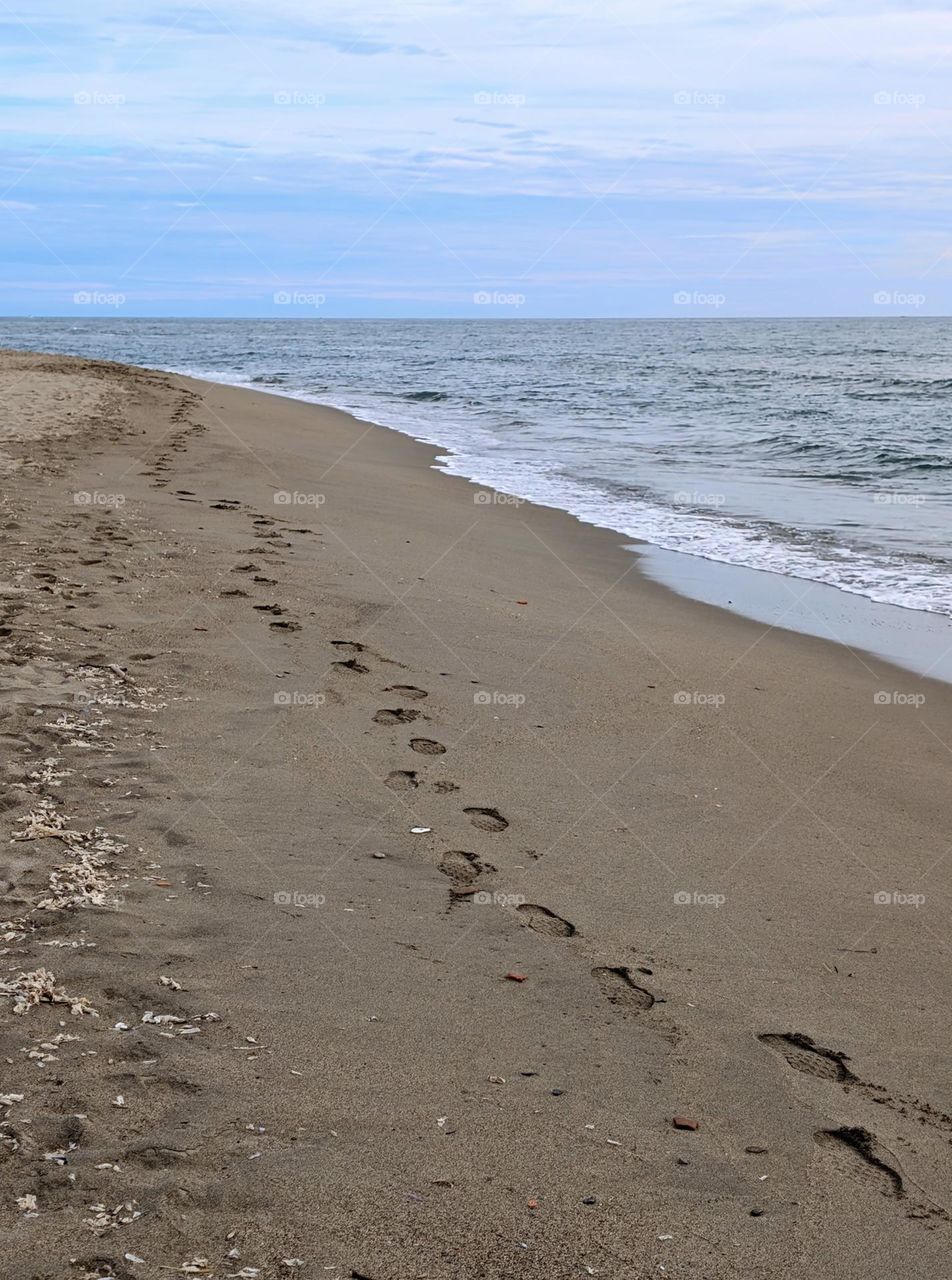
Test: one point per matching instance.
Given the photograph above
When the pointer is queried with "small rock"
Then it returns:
(757, 1213)
(515, 977)
(557, 1093)
(684, 1122)
(682, 1160)
(754, 1150)
(589, 1200)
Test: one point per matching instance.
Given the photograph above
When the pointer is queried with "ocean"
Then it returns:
(817, 449)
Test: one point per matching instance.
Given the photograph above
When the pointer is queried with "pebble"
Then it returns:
(557, 1093)
(589, 1200)
(684, 1122)
(754, 1150)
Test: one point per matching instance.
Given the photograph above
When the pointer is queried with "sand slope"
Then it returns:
(274, 1028)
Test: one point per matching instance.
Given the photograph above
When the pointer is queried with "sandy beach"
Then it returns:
(399, 886)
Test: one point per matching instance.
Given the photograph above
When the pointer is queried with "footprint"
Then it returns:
(268, 608)
(352, 647)
(442, 787)
(284, 625)
(856, 1154)
(460, 866)
(803, 1054)
(617, 986)
(407, 691)
(545, 921)
(395, 715)
(235, 591)
(401, 780)
(486, 819)
(427, 747)
(351, 664)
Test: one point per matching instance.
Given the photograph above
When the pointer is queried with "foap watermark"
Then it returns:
(495, 98)
(495, 298)
(299, 98)
(900, 499)
(98, 499)
(899, 98)
(893, 898)
(695, 298)
(694, 698)
(699, 98)
(494, 698)
(486, 899)
(694, 499)
(488, 498)
(289, 498)
(292, 898)
(96, 98)
(696, 898)
(98, 298)
(298, 698)
(298, 298)
(897, 298)
(896, 698)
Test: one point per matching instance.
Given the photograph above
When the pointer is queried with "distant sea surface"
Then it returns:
(820, 449)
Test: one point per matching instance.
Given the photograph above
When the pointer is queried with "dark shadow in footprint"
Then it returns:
(859, 1156)
(545, 921)
(460, 866)
(443, 787)
(407, 691)
(618, 987)
(486, 819)
(351, 664)
(427, 747)
(395, 715)
(285, 626)
(401, 780)
(804, 1054)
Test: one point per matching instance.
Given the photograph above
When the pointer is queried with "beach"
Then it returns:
(399, 884)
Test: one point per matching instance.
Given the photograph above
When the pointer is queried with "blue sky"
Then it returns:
(477, 158)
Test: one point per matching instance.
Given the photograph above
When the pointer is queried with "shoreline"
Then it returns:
(906, 639)
(446, 864)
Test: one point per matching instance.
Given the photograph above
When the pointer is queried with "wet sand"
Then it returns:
(667, 863)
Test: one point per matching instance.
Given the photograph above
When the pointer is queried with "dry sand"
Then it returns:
(265, 1028)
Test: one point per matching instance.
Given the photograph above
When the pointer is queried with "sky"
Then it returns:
(476, 158)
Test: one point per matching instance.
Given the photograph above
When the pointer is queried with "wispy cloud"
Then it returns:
(792, 151)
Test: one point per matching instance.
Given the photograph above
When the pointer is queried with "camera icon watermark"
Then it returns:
(893, 898)
(298, 98)
(899, 98)
(896, 698)
(495, 298)
(493, 698)
(900, 499)
(489, 498)
(695, 298)
(696, 898)
(291, 898)
(96, 98)
(486, 899)
(298, 298)
(694, 499)
(287, 498)
(297, 698)
(696, 98)
(493, 98)
(694, 698)
(98, 298)
(97, 499)
(897, 298)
